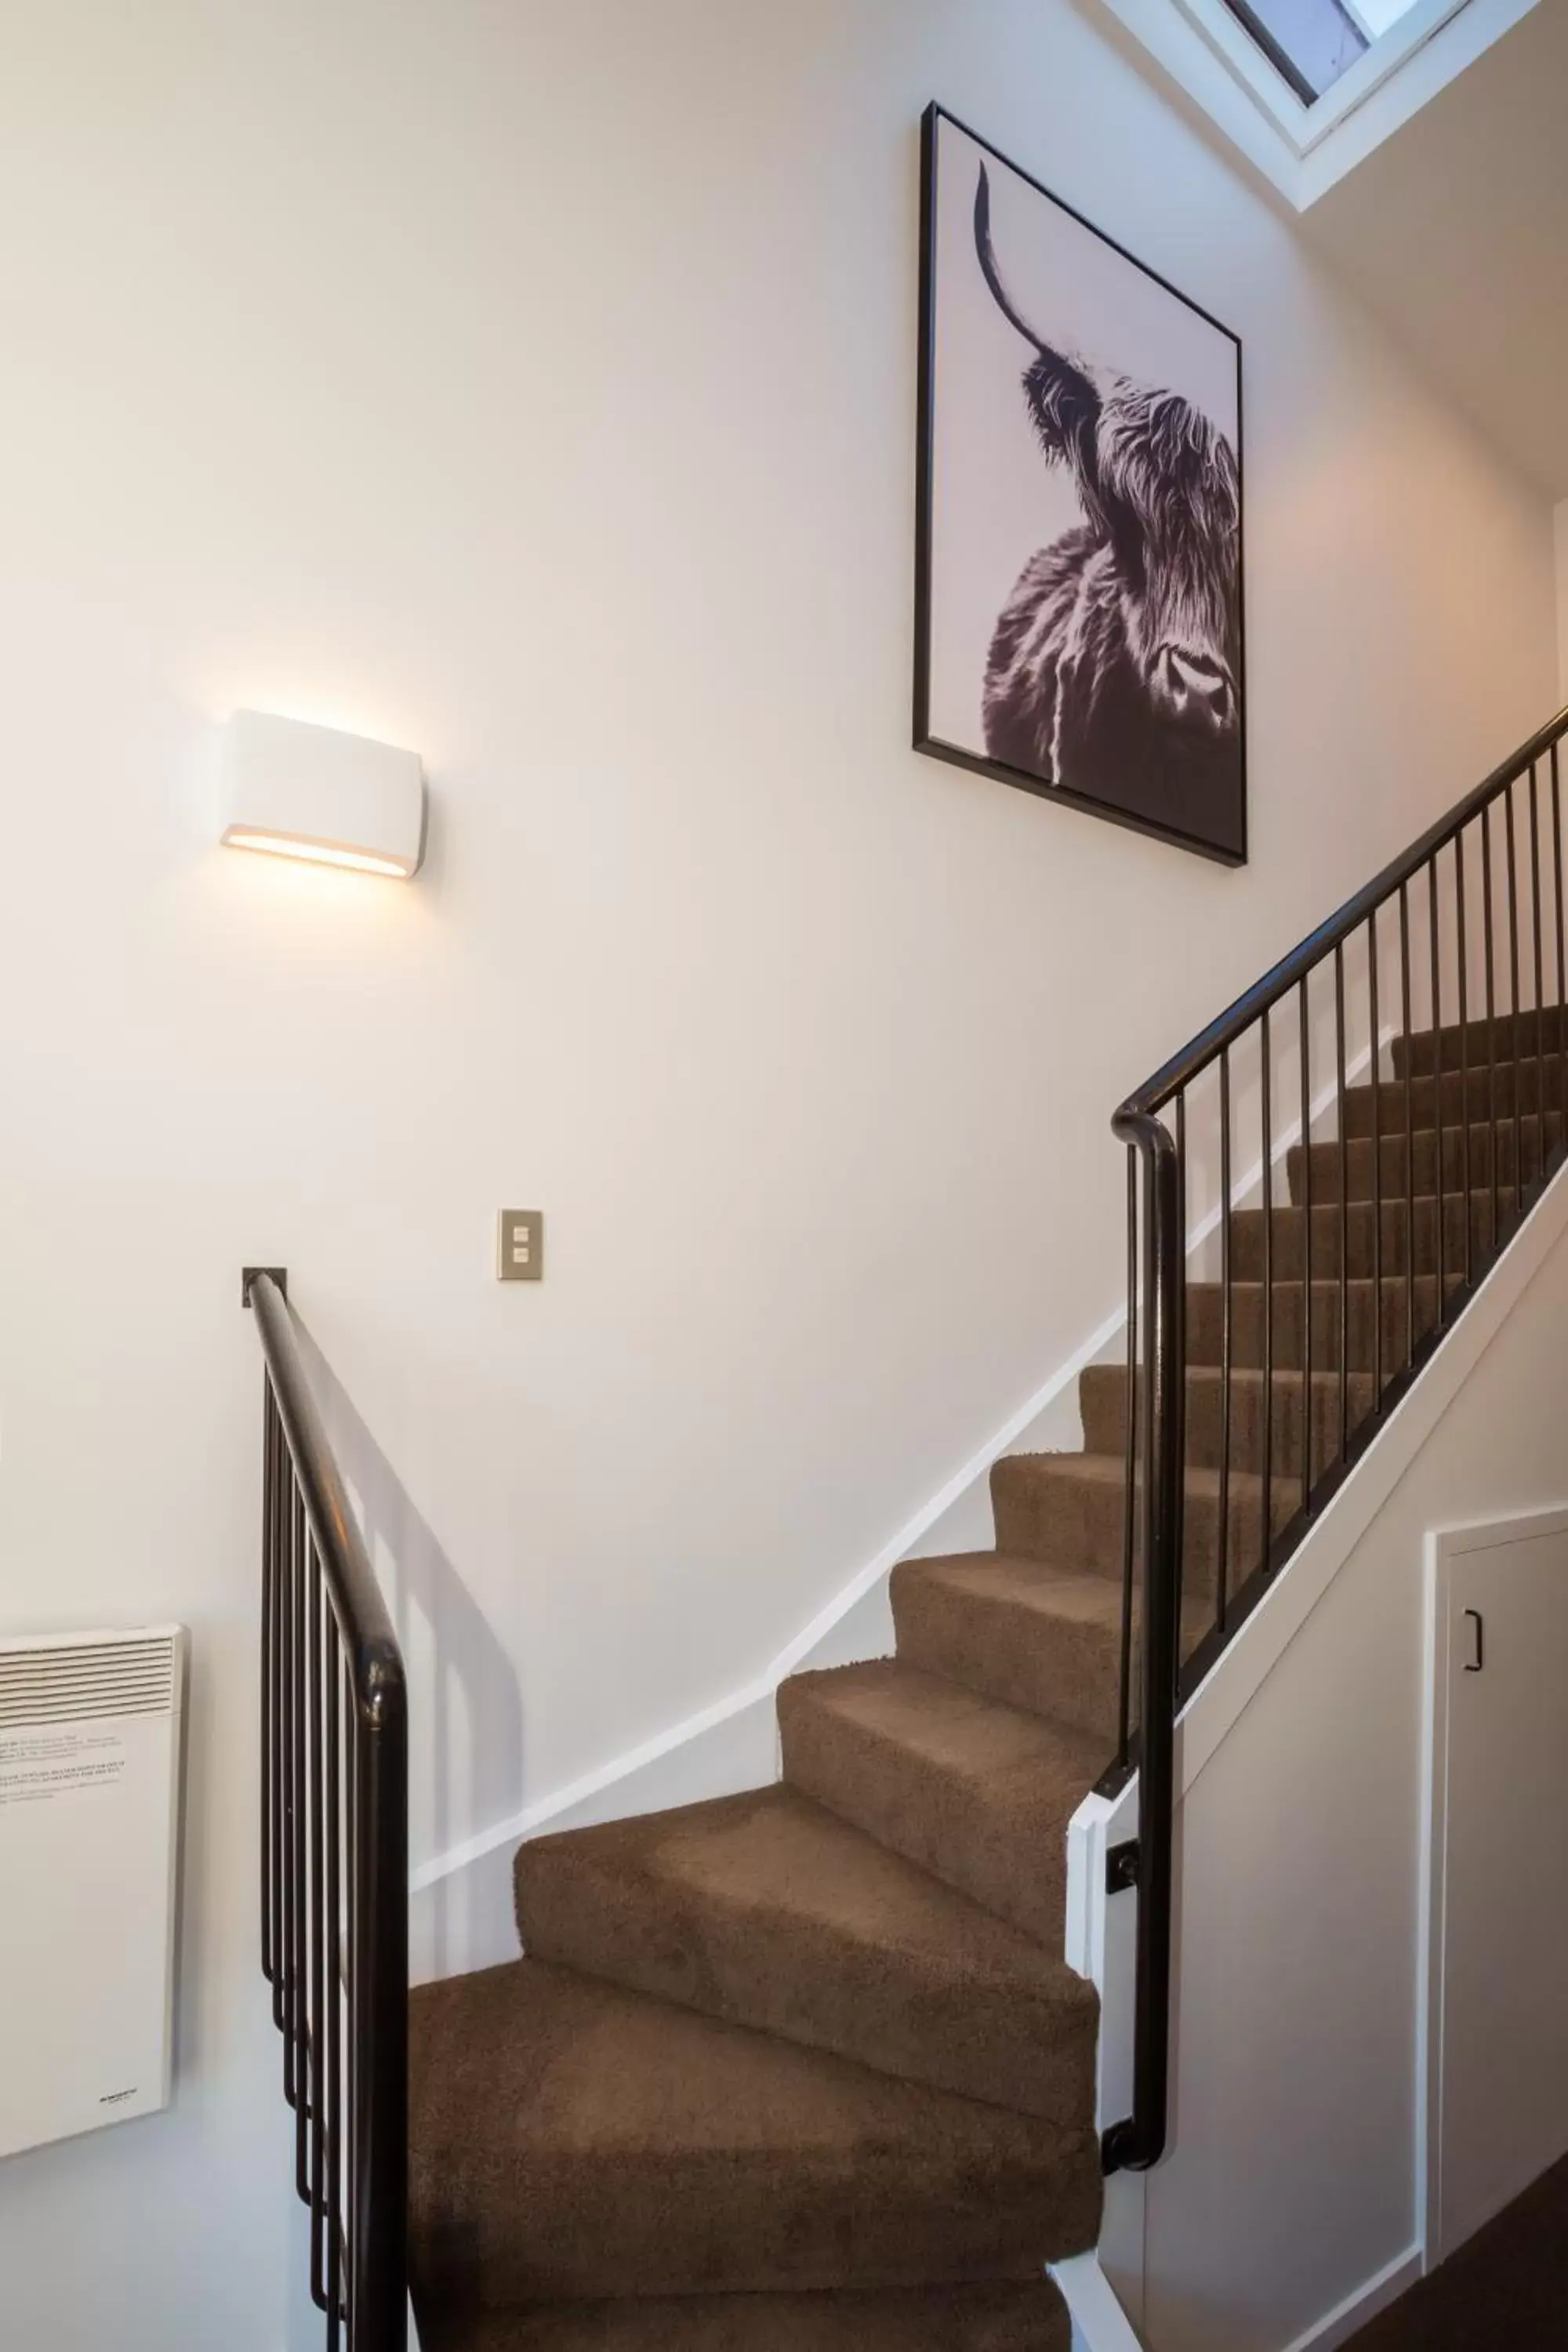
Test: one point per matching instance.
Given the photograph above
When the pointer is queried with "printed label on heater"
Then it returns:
(36, 1768)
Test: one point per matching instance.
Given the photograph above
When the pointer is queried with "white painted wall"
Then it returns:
(534, 387)
(1559, 523)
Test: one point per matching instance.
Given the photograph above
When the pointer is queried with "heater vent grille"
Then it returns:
(77, 1680)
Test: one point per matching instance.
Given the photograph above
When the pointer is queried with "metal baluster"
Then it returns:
(271, 1685)
(1128, 1536)
(380, 2251)
(1409, 1129)
(1561, 975)
(354, 2008)
(1489, 949)
(1226, 1308)
(334, 1819)
(269, 1442)
(1344, 1200)
(290, 1796)
(1435, 941)
(1140, 2141)
(1376, 1164)
(1181, 1214)
(316, 2041)
(1540, 1009)
(1464, 1066)
(333, 2071)
(1267, 1125)
(299, 1864)
(1303, 995)
(283, 1487)
(1515, 1016)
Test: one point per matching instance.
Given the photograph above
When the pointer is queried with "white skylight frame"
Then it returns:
(1307, 126)
(1305, 149)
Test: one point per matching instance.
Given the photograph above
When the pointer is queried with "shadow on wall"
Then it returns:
(465, 1707)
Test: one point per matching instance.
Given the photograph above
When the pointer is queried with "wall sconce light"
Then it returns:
(296, 791)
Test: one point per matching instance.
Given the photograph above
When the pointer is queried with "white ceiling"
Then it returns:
(1455, 231)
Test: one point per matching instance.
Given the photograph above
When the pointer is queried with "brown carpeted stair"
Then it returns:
(804, 2069)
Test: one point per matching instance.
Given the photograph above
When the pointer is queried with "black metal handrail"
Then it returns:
(1162, 1126)
(334, 1855)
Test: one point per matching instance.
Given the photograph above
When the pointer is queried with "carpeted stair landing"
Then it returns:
(804, 2069)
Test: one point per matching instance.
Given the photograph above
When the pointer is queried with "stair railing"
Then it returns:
(334, 1855)
(1447, 932)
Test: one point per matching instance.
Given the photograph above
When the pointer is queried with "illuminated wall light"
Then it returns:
(295, 790)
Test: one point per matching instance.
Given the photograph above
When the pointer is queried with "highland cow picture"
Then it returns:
(1078, 568)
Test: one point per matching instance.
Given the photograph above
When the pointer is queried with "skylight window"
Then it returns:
(1312, 42)
(1307, 89)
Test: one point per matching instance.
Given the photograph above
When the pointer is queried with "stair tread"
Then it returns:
(1427, 1126)
(950, 1725)
(1105, 1472)
(1113, 1377)
(770, 1911)
(1024, 1633)
(1025, 2317)
(1476, 1089)
(1539, 1036)
(1068, 1510)
(1395, 1196)
(1052, 1597)
(976, 1791)
(1323, 1285)
(1013, 1578)
(569, 2138)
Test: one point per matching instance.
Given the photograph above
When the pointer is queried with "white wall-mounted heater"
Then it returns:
(89, 1778)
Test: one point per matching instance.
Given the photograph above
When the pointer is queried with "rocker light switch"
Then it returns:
(522, 1255)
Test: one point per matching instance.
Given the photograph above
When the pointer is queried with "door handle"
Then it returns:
(1479, 1644)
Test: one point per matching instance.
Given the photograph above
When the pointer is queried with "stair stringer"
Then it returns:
(1101, 1927)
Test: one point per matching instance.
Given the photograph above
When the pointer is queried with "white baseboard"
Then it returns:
(1098, 2322)
(1385, 2286)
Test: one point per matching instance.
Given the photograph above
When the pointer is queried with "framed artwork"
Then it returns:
(1079, 569)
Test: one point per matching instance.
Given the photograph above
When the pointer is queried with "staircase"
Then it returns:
(805, 2068)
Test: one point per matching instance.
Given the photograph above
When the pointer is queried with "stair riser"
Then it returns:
(580, 2232)
(1453, 1091)
(1205, 1323)
(1508, 1035)
(1104, 1396)
(1068, 1671)
(900, 1798)
(1486, 1145)
(1069, 1529)
(1011, 2045)
(1247, 1237)
(1028, 2318)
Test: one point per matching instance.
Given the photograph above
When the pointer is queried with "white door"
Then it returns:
(1498, 2079)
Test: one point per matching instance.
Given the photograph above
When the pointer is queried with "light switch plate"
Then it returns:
(521, 1254)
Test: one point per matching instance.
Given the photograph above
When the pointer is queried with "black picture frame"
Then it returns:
(1226, 847)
